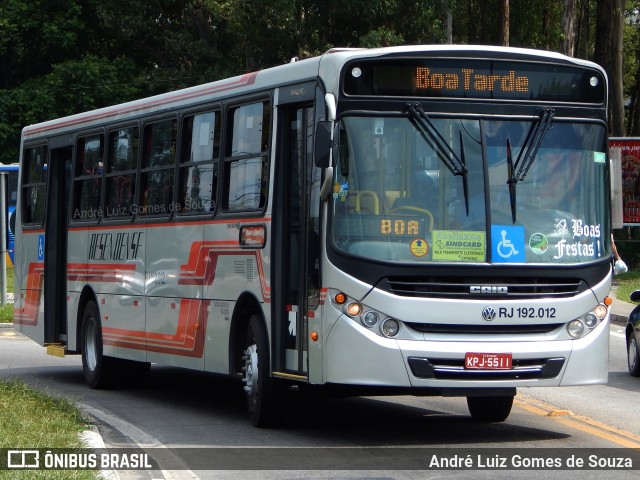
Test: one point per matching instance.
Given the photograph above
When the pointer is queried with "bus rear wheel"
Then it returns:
(490, 409)
(260, 388)
(98, 370)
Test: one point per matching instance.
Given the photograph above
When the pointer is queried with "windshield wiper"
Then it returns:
(456, 165)
(511, 181)
(532, 143)
(518, 171)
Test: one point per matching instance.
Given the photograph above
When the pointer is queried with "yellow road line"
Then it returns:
(584, 424)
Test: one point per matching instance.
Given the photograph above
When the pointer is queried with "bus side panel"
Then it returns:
(233, 271)
(115, 270)
(77, 278)
(176, 316)
(179, 326)
(74, 318)
(29, 306)
(122, 319)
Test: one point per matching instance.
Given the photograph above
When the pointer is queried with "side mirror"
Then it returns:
(635, 296)
(324, 142)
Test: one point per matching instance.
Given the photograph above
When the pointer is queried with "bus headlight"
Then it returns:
(600, 311)
(370, 319)
(590, 320)
(575, 328)
(390, 327)
(376, 321)
(584, 324)
(354, 309)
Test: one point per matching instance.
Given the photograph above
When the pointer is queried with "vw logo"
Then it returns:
(488, 313)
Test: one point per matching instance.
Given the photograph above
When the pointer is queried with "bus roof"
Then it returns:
(327, 66)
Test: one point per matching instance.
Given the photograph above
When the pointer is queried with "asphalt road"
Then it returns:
(183, 412)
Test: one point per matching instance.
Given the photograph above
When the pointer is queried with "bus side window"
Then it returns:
(198, 174)
(246, 167)
(87, 184)
(34, 185)
(121, 172)
(158, 167)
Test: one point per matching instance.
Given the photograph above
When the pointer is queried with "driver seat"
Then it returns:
(422, 194)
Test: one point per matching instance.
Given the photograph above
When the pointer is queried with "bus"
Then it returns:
(10, 203)
(416, 220)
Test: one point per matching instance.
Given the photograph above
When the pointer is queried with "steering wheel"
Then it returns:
(415, 211)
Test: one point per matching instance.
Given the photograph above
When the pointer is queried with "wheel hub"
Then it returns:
(250, 369)
(91, 347)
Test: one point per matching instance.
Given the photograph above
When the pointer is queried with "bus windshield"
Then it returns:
(421, 189)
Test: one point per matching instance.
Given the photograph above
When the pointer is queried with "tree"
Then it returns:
(608, 53)
(503, 16)
(569, 28)
(35, 34)
(68, 56)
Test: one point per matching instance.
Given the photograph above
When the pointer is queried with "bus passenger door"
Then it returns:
(55, 246)
(296, 240)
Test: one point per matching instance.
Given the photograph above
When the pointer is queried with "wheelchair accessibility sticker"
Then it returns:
(40, 247)
(507, 243)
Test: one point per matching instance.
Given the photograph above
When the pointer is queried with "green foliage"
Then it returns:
(64, 57)
(381, 37)
(625, 283)
(34, 35)
(6, 313)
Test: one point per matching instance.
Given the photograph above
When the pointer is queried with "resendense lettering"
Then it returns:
(115, 246)
(468, 80)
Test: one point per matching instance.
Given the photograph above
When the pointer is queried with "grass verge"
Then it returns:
(6, 311)
(32, 419)
(625, 283)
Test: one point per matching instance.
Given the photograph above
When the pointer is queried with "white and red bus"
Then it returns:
(430, 220)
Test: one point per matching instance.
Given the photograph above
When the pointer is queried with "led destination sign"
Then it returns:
(469, 81)
(483, 79)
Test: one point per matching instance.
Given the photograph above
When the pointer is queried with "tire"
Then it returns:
(490, 409)
(633, 355)
(261, 390)
(99, 371)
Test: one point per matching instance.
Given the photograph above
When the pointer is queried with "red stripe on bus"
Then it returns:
(181, 222)
(188, 339)
(200, 268)
(28, 314)
(105, 272)
(136, 106)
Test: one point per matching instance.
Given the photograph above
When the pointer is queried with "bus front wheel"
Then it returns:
(259, 387)
(490, 409)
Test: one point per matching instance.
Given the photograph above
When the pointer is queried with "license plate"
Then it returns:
(488, 361)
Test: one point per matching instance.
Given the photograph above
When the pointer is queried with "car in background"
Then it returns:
(632, 332)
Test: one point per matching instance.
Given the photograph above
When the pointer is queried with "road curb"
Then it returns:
(618, 319)
(91, 438)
